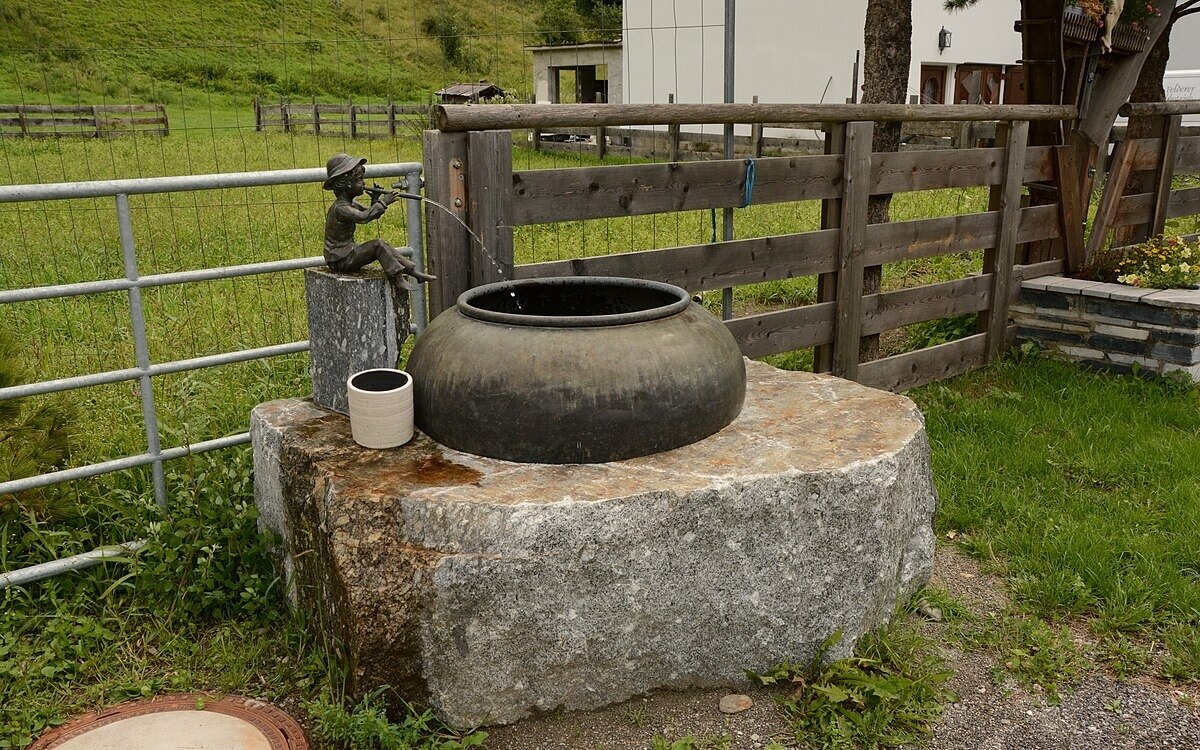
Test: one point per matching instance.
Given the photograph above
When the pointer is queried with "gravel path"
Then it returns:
(1100, 714)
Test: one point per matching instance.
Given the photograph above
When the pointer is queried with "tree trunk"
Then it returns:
(887, 56)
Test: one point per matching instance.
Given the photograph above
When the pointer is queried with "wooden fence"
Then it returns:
(82, 120)
(1136, 217)
(469, 167)
(349, 119)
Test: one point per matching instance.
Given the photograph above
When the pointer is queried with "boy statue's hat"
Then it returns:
(338, 165)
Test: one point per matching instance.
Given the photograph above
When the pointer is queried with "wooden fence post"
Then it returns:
(1072, 208)
(831, 218)
(1166, 170)
(350, 116)
(391, 118)
(316, 118)
(856, 188)
(448, 245)
(672, 134)
(96, 119)
(257, 115)
(489, 188)
(756, 136)
(601, 135)
(166, 127)
(285, 115)
(1006, 242)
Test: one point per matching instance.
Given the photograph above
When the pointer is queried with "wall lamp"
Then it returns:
(943, 40)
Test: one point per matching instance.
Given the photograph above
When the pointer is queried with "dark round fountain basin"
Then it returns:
(575, 370)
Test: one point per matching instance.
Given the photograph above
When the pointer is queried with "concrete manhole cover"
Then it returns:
(180, 722)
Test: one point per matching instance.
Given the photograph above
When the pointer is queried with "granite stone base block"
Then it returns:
(490, 590)
(1113, 326)
(352, 326)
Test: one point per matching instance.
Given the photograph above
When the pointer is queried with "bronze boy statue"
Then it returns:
(344, 176)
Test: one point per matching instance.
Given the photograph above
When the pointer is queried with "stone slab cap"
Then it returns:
(491, 590)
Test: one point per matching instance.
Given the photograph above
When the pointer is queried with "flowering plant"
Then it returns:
(1161, 263)
(1134, 12)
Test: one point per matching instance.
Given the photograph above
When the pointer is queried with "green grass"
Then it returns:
(1082, 486)
(194, 54)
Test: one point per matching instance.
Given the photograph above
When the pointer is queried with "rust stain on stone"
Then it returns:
(431, 469)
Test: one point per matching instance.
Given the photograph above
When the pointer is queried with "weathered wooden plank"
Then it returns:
(709, 266)
(1006, 244)
(1184, 203)
(1112, 198)
(883, 312)
(78, 108)
(1072, 208)
(1188, 155)
(913, 369)
(831, 218)
(518, 116)
(783, 331)
(449, 245)
(903, 171)
(50, 122)
(925, 238)
(856, 177)
(1146, 157)
(718, 265)
(1133, 210)
(543, 196)
(1165, 171)
(489, 175)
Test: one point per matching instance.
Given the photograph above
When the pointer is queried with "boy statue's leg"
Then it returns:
(395, 265)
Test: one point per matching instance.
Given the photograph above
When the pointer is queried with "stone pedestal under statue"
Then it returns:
(490, 590)
(352, 326)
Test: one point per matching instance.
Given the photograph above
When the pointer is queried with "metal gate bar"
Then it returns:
(409, 175)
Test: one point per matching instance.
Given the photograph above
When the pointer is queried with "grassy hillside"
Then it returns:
(223, 53)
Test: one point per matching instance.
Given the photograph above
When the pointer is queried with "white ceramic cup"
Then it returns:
(381, 407)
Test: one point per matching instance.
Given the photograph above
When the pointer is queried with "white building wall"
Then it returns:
(798, 51)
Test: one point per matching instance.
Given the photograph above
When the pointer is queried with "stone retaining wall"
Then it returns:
(1113, 326)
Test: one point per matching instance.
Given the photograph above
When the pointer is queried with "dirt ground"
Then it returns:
(1101, 713)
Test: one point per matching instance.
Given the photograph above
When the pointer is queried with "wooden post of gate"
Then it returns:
(756, 136)
(257, 115)
(1166, 171)
(448, 244)
(601, 135)
(1006, 243)
(1114, 189)
(350, 116)
(489, 182)
(672, 134)
(316, 118)
(831, 218)
(856, 188)
(1072, 209)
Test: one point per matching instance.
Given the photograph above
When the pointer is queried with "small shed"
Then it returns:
(469, 93)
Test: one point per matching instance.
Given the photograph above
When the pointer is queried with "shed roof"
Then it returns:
(469, 89)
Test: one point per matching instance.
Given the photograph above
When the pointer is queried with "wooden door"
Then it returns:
(933, 84)
(978, 84)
